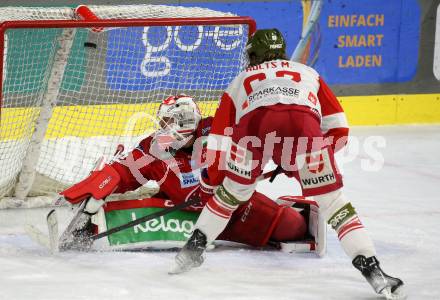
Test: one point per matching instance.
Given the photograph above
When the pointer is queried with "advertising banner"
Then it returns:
(369, 41)
(175, 226)
(173, 57)
(357, 42)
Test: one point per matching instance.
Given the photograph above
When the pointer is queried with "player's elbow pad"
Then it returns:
(98, 185)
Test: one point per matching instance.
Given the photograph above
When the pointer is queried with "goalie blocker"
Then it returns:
(173, 229)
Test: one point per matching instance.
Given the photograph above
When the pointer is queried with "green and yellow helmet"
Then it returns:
(265, 45)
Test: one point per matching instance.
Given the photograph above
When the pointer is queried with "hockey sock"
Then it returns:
(214, 218)
(341, 215)
(357, 242)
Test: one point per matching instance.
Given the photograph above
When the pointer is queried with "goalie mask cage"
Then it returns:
(73, 89)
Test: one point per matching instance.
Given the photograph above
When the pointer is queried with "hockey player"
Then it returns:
(282, 110)
(174, 157)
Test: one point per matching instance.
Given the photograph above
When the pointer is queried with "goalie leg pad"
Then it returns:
(98, 185)
(290, 227)
(317, 226)
(257, 221)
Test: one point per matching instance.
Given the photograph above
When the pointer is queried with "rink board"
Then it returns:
(87, 120)
(128, 119)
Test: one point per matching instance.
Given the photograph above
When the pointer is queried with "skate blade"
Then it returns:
(182, 268)
(399, 294)
(178, 269)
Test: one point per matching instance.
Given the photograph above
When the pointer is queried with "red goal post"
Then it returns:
(67, 93)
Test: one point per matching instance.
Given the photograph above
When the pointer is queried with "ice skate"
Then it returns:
(190, 256)
(383, 284)
(77, 235)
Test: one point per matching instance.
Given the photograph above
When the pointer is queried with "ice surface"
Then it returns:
(399, 204)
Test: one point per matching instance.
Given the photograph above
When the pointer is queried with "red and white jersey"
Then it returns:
(177, 174)
(279, 81)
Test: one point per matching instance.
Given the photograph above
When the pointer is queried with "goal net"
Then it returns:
(73, 87)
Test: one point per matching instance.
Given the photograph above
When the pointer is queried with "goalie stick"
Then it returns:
(51, 241)
(270, 174)
(48, 241)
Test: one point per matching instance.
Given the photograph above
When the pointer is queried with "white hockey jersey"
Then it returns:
(278, 81)
(269, 83)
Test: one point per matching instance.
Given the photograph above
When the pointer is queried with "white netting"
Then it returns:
(91, 91)
(119, 12)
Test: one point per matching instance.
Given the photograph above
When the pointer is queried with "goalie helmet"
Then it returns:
(265, 45)
(178, 117)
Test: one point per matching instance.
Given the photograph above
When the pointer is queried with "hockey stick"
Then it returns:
(270, 174)
(273, 174)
